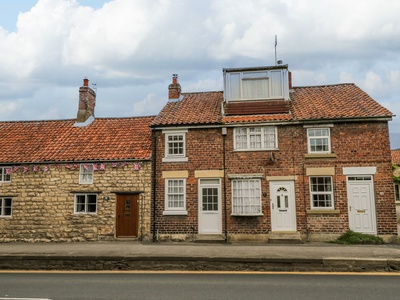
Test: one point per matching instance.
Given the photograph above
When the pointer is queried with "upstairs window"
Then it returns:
(86, 174)
(175, 146)
(256, 85)
(319, 140)
(5, 174)
(255, 138)
(5, 206)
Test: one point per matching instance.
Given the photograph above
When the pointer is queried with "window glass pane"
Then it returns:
(80, 203)
(276, 84)
(255, 89)
(246, 197)
(234, 87)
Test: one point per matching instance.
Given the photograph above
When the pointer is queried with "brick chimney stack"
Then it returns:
(174, 89)
(87, 102)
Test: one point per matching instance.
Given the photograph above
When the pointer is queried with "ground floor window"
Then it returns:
(175, 196)
(321, 191)
(397, 190)
(85, 203)
(5, 206)
(246, 197)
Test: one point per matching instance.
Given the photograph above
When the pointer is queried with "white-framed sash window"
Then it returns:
(255, 138)
(175, 146)
(319, 140)
(5, 207)
(5, 174)
(85, 203)
(175, 196)
(86, 172)
(321, 191)
(246, 197)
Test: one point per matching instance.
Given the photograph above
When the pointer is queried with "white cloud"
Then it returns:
(151, 102)
(131, 48)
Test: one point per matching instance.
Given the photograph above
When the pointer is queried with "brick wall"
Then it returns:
(360, 144)
(43, 203)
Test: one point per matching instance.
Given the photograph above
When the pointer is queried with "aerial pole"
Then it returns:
(276, 43)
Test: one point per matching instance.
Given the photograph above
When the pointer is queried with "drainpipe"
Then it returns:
(304, 192)
(154, 184)
(224, 132)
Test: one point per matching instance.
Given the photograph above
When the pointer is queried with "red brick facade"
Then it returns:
(355, 167)
(355, 145)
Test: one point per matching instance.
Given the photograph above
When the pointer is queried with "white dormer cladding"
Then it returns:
(260, 83)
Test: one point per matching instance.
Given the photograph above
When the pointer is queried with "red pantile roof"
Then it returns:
(329, 102)
(396, 157)
(194, 108)
(58, 141)
(257, 118)
(334, 101)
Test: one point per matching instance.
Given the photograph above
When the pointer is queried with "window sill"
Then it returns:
(322, 155)
(175, 213)
(175, 159)
(247, 215)
(323, 212)
(255, 150)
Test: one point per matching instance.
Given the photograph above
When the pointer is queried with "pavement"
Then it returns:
(136, 255)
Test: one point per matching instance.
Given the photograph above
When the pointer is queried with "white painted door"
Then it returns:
(210, 216)
(283, 207)
(361, 204)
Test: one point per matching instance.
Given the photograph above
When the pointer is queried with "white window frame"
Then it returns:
(249, 134)
(327, 137)
(276, 84)
(4, 177)
(86, 176)
(86, 204)
(325, 192)
(180, 157)
(246, 204)
(3, 207)
(172, 210)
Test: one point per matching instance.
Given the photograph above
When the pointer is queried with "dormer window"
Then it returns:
(256, 84)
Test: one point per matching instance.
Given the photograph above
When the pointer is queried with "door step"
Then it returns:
(285, 238)
(209, 238)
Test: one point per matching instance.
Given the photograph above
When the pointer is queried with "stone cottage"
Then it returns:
(266, 161)
(81, 179)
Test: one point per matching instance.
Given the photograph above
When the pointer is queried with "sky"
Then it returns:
(130, 48)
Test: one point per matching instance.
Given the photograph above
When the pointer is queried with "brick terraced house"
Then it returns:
(75, 180)
(264, 161)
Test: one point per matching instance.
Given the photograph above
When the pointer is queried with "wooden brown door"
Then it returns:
(127, 224)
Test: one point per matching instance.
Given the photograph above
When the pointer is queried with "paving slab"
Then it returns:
(189, 256)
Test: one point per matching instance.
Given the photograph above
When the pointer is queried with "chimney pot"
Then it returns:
(87, 102)
(174, 89)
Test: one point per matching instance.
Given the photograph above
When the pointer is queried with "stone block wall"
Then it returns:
(43, 202)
